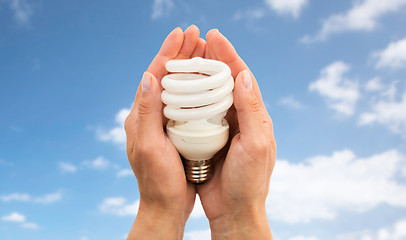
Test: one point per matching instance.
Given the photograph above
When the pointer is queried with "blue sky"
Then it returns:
(332, 75)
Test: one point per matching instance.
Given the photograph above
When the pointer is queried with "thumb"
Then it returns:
(149, 109)
(247, 106)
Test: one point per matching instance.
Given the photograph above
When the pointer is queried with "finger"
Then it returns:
(224, 51)
(209, 50)
(191, 38)
(200, 48)
(250, 118)
(149, 110)
(169, 50)
(209, 53)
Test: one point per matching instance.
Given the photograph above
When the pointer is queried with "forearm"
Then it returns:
(157, 224)
(248, 224)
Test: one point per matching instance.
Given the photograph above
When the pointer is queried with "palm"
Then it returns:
(171, 178)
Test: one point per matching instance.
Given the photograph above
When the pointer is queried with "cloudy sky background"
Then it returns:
(332, 75)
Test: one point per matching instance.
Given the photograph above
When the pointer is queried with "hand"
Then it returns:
(166, 199)
(234, 199)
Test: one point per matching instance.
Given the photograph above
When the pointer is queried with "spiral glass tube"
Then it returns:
(198, 93)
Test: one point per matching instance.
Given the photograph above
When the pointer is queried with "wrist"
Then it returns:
(248, 222)
(157, 222)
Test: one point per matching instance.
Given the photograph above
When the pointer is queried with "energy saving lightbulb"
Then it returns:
(198, 93)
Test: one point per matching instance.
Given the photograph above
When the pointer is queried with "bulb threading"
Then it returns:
(198, 172)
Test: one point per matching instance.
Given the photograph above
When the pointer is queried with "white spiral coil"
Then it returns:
(196, 89)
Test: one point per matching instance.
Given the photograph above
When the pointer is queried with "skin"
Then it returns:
(234, 199)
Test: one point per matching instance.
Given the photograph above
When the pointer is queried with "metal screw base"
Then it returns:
(198, 171)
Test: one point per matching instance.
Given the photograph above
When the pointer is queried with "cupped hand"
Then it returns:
(234, 199)
(166, 199)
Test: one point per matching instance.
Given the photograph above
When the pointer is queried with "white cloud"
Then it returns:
(387, 92)
(340, 93)
(363, 16)
(287, 7)
(49, 198)
(290, 101)
(116, 134)
(15, 128)
(395, 232)
(67, 167)
(374, 84)
(20, 197)
(99, 163)
(21, 9)
(198, 235)
(388, 112)
(322, 186)
(24, 197)
(118, 206)
(197, 209)
(393, 56)
(19, 218)
(4, 162)
(13, 217)
(124, 173)
(161, 7)
(30, 225)
(249, 14)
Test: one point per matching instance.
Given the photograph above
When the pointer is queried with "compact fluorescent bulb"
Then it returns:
(198, 93)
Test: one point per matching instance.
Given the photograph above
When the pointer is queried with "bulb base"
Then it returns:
(198, 171)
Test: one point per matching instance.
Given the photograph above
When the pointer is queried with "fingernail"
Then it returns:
(146, 82)
(246, 80)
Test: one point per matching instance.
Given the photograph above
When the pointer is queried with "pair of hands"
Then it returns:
(234, 198)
